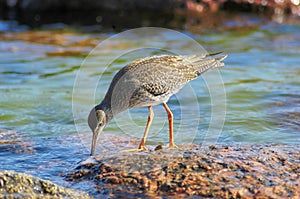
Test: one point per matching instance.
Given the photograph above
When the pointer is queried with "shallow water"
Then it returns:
(37, 75)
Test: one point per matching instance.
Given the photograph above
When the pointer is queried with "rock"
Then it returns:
(219, 171)
(20, 185)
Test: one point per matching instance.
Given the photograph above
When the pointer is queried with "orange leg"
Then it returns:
(170, 118)
(150, 118)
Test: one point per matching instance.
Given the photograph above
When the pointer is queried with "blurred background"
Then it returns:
(121, 14)
(43, 44)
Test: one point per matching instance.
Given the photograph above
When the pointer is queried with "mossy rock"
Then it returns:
(20, 185)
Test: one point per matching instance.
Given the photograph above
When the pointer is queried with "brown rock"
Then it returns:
(251, 171)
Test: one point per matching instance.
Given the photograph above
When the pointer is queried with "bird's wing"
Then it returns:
(155, 88)
(205, 62)
(163, 67)
(186, 66)
(156, 78)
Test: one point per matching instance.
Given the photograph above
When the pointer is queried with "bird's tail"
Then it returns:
(203, 63)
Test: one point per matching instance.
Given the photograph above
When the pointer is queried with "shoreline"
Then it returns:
(222, 170)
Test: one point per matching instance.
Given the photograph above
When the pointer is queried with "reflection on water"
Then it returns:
(261, 79)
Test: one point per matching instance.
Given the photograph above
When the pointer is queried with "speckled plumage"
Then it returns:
(151, 81)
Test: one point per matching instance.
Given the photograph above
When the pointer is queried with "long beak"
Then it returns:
(95, 138)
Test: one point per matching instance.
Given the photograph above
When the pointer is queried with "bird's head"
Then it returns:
(97, 120)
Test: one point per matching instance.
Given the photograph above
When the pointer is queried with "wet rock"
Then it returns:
(218, 171)
(11, 141)
(20, 185)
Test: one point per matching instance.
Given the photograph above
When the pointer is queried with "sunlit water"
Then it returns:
(261, 81)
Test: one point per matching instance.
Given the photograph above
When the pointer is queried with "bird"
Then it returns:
(146, 82)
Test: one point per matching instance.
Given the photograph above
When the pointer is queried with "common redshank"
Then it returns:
(147, 82)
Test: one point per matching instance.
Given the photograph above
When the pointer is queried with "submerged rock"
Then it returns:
(20, 185)
(218, 171)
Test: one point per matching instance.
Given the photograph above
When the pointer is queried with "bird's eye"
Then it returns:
(100, 124)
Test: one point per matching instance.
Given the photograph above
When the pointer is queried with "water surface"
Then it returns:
(37, 74)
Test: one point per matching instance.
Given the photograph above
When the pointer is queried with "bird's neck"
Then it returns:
(110, 111)
(107, 109)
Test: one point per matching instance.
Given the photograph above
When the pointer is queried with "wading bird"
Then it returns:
(147, 82)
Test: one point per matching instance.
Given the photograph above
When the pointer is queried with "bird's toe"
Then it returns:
(173, 146)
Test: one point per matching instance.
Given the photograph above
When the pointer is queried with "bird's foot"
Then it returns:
(141, 148)
(173, 146)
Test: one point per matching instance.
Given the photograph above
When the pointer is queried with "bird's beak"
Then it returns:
(96, 133)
